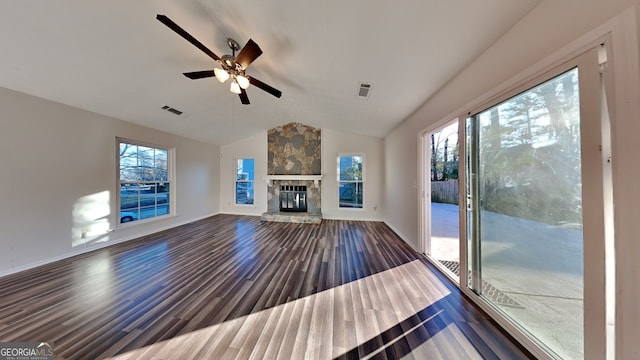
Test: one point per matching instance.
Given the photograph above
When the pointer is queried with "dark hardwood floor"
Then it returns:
(232, 287)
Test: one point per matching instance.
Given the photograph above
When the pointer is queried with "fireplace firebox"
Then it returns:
(293, 198)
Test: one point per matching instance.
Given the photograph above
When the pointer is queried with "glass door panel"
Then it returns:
(525, 191)
(443, 244)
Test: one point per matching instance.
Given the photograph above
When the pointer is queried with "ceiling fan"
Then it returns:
(231, 66)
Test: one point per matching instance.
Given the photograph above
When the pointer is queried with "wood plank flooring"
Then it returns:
(232, 287)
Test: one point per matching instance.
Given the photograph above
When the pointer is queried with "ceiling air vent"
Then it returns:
(172, 110)
(363, 90)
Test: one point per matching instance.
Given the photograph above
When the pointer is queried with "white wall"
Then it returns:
(252, 147)
(548, 28)
(59, 177)
(335, 143)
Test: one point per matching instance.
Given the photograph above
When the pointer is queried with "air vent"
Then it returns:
(172, 110)
(363, 90)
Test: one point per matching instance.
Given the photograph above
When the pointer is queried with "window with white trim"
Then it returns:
(244, 181)
(144, 181)
(350, 181)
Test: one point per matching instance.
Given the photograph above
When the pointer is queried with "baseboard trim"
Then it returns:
(402, 236)
(98, 246)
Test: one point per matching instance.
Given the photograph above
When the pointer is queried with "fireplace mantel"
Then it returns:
(315, 178)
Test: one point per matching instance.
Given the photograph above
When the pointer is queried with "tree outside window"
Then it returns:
(145, 181)
(244, 182)
(350, 181)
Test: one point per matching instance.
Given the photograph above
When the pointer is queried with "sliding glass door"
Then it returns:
(440, 205)
(526, 191)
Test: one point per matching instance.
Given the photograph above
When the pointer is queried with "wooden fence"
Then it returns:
(444, 191)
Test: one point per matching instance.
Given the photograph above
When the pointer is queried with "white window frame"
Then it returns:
(236, 181)
(594, 311)
(170, 180)
(361, 181)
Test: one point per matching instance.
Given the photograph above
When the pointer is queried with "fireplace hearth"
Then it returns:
(293, 198)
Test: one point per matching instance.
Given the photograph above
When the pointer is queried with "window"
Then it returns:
(245, 177)
(145, 181)
(350, 180)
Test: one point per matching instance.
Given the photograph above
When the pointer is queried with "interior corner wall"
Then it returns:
(335, 143)
(251, 147)
(550, 28)
(59, 169)
(546, 29)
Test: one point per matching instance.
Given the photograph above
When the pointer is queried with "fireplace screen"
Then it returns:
(293, 198)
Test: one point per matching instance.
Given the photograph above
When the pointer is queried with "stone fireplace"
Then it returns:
(294, 174)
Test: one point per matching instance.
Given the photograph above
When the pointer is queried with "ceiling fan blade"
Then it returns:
(175, 27)
(271, 90)
(199, 74)
(248, 54)
(244, 97)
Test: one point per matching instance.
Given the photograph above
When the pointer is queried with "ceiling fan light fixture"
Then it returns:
(220, 74)
(242, 81)
(235, 88)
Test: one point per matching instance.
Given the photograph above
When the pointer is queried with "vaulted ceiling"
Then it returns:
(114, 58)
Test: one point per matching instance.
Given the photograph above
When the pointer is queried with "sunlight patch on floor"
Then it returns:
(324, 325)
(452, 335)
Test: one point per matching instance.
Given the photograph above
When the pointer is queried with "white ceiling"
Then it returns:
(114, 58)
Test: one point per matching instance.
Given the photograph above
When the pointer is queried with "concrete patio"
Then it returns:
(537, 265)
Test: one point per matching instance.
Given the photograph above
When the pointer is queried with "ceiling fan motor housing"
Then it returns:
(228, 62)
